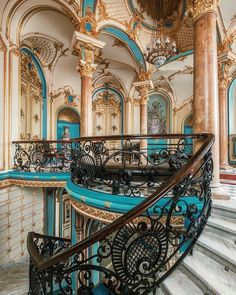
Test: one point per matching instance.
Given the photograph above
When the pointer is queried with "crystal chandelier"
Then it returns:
(160, 49)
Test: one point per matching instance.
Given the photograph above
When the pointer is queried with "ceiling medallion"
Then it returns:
(161, 47)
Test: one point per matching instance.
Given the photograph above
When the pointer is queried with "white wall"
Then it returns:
(21, 211)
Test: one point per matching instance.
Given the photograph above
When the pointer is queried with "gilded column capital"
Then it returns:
(144, 75)
(200, 7)
(224, 75)
(86, 68)
(143, 94)
(143, 88)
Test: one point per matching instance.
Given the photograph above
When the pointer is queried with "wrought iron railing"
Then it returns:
(144, 245)
(117, 163)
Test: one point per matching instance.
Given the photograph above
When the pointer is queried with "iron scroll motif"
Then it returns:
(140, 254)
(120, 167)
(126, 169)
(43, 157)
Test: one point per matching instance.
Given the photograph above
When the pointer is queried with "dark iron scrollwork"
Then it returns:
(43, 156)
(126, 169)
(46, 281)
(141, 253)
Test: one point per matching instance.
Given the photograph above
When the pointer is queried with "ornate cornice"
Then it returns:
(200, 7)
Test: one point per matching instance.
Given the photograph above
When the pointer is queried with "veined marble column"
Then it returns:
(224, 81)
(223, 124)
(143, 88)
(86, 48)
(205, 101)
(86, 113)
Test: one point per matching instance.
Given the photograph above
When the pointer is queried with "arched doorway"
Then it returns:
(68, 124)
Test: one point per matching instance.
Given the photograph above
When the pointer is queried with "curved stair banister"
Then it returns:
(144, 246)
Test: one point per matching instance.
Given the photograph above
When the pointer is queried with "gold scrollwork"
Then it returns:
(199, 7)
(108, 217)
(86, 69)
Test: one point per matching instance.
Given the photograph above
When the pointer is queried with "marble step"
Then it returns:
(218, 248)
(14, 278)
(223, 227)
(224, 208)
(179, 284)
(210, 276)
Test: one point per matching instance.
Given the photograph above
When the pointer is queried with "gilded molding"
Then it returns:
(186, 103)
(134, 25)
(188, 70)
(14, 49)
(226, 44)
(102, 13)
(108, 217)
(3, 46)
(74, 5)
(200, 7)
(31, 183)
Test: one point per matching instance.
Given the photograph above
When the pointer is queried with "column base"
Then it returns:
(225, 166)
(219, 193)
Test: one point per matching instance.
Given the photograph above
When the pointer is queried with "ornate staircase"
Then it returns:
(207, 271)
(142, 251)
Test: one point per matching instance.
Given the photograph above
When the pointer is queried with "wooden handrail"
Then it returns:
(116, 137)
(188, 168)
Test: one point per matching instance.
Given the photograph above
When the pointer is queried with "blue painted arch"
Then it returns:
(38, 66)
(121, 97)
(131, 44)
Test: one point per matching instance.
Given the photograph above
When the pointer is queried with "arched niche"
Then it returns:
(232, 121)
(158, 114)
(68, 123)
(108, 110)
(158, 120)
(33, 104)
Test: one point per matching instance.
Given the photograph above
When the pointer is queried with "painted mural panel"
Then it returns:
(158, 114)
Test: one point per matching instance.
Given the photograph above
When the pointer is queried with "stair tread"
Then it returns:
(179, 284)
(229, 205)
(14, 278)
(219, 245)
(211, 273)
(224, 224)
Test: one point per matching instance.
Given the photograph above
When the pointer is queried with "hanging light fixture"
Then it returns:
(161, 47)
